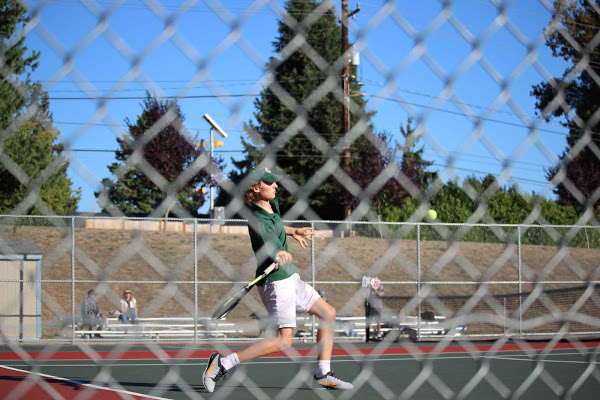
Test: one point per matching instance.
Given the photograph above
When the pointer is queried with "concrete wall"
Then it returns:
(174, 226)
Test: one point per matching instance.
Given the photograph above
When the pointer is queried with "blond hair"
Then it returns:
(250, 194)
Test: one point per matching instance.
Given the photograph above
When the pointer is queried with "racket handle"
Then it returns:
(269, 269)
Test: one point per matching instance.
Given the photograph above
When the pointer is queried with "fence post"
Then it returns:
(520, 283)
(313, 270)
(419, 281)
(504, 321)
(195, 280)
(73, 280)
(21, 299)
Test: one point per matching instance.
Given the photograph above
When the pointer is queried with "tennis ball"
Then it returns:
(432, 214)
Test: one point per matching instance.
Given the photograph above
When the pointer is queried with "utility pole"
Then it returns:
(346, 83)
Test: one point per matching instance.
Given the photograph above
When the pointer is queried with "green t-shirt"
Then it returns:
(268, 237)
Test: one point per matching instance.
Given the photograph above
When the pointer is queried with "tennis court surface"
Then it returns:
(491, 370)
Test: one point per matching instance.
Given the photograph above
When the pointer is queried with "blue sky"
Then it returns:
(121, 49)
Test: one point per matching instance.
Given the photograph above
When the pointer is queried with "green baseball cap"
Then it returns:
(263, 174)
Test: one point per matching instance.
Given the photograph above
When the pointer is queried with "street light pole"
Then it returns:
(213, 126)
(212, 202)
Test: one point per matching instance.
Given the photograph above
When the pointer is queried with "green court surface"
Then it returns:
(422, 372)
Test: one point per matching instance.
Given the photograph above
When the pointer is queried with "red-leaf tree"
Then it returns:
(159, 166)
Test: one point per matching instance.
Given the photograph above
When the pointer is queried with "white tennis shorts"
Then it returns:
(284, 298)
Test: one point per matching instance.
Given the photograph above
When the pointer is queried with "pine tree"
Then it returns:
(16, 65)
(412, 164)
(299, 76)
(33, 162)
(170, 153)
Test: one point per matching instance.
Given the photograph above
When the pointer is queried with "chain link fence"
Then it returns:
(481, 281)
(172, 266)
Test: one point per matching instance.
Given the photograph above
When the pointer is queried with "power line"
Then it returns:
(374, 83)
(369, 95)
(97, 98)
(306, 156)
(477, 171)
(597, 134)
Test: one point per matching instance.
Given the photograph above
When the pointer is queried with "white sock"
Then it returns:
(323, 367)
(230, 361)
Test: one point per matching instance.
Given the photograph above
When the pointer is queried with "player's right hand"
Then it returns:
(282, 257)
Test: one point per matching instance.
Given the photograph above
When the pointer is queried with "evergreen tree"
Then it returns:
(170, 152)
(34, 161)
(412, 164)
(575, 97)
(299, 76)
(16, 66)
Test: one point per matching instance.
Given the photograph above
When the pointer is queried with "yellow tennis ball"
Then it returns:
(432, 214)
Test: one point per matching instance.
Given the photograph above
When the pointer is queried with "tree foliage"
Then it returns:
(27, 137)
(33, 150)
(412, 164)
(371, 162)
(16, 65)
(170, 164)
(368, 163)
(452, 203)
(575, 97)
(505, 206)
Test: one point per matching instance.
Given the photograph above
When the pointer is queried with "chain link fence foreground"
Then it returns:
(444, 282)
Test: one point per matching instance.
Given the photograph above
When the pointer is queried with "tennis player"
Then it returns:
(283, 292)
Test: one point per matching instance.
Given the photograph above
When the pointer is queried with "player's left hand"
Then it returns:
(303, 234)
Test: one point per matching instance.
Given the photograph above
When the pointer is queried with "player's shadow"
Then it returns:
(79, 384)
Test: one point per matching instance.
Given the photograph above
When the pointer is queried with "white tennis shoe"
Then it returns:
(329, 381)
(213, 372)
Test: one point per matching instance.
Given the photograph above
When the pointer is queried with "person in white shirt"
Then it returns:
(129, 310)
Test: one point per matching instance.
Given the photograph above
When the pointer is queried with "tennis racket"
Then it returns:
(234, 300)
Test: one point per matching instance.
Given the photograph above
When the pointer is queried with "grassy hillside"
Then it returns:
(150, 258)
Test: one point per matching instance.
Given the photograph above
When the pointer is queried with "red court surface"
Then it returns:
(300, 352)
(19, 384)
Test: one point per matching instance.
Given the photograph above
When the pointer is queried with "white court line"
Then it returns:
(84, 384)
(544, 360)
(261, 362)
(525, 357)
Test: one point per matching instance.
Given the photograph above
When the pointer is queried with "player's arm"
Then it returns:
(300, 234)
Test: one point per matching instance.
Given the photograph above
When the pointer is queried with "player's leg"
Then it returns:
(279, 298)
(326, 314)
(218, 365)
(264, 347)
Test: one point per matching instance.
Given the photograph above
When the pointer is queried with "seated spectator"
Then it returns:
(91, 316)
(321, 293)
(129, 309)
